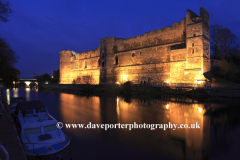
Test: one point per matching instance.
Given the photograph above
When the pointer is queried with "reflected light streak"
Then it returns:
(118, 109)
(15, 92)
(8, 96)
(167, 106)
(27, 94)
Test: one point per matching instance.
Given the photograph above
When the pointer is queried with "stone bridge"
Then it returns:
(25, 82)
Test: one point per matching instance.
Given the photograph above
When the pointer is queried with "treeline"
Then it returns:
(7, 56)
(225, 53)
(47, 79)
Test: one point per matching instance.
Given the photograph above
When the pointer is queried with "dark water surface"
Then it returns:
(217, 138)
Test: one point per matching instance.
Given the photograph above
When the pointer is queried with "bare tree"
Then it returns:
(224, 43)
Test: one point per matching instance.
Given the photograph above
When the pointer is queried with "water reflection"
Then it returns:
(217, 137)
(180, 143)
(76, 109)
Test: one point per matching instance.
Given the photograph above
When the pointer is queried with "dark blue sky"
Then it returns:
(39, 30)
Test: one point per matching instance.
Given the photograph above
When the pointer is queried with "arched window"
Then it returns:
(85, 64)
(116, 59)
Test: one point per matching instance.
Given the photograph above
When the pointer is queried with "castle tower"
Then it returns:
(197, 47)
(107, 59)
(66, 64)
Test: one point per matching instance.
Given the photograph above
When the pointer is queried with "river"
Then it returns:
(214, 134)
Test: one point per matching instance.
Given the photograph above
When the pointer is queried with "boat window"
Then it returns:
(13, 104)
(32, 131)
(40, 110)
(50, 128)
(28, 111)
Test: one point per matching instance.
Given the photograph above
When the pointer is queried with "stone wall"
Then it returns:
(169, 34)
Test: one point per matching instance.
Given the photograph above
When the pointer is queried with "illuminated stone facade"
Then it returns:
(177, 54)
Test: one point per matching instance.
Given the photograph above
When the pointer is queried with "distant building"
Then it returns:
(177, 54)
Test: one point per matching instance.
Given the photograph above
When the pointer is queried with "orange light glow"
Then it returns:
(200, 110)
(167, 106)
(124, 78)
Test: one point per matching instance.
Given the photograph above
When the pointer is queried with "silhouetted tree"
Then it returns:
(7, 59)
(225, 48)
(227, 68)
(45, 78)
(7, 56)
(5, 10)
(55, 78)
(224, 43)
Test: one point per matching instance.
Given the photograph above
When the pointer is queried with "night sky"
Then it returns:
(39, 29)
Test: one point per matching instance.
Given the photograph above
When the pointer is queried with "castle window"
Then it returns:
(85, 64)
(71, 58)
(76, 57)
(116, 59)
(103, 55)
(102, 64)
(76, 66)
(194, 35)
(85, 55)
(192, 44)
(178, 46)
(99, 62)
(133, 54)
(193, 51)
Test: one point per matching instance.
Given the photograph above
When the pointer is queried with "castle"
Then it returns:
(177, 54)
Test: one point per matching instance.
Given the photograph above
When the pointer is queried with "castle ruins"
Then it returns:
(177, 54)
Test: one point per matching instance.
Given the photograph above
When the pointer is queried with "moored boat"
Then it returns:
(38, 131)
(13, 103)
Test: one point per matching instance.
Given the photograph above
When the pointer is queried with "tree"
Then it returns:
(225, 48)
(7, 59)
(227, 68)
(45, 78)
(5, 10)
(55, 79)
(224, 43)
(7, 56)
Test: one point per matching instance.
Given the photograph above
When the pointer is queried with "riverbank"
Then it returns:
(131, 89)
(8, 135)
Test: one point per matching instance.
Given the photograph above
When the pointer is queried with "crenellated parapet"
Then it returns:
(169, 34)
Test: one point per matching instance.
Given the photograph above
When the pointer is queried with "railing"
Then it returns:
(182, 85)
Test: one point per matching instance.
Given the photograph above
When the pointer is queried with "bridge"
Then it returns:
(25, 82)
